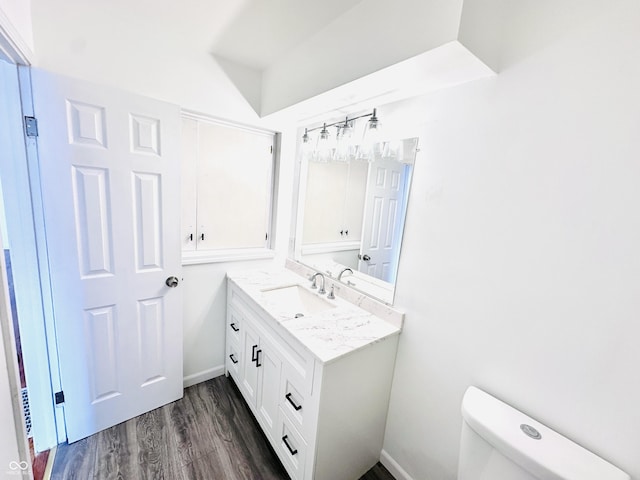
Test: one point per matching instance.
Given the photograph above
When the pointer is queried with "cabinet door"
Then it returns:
(354, 200)
(269, 368)
(234, 168)
(189, 178)
(324, 204)
(250, 346)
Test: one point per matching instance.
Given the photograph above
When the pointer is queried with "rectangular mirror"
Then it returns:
(351, 214)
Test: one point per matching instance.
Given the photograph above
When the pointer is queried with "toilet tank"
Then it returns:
(499, 442)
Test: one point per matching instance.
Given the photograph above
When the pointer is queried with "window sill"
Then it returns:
(231, 255)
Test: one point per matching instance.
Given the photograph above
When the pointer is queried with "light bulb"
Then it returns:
(307, 149)
(324, 145)
(344, 145)
(371, 142)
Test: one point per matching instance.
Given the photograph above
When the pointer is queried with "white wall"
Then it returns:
(16, 28)
(19, 14)
(520, 266)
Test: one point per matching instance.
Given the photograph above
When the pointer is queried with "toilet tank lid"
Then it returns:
(552, 457)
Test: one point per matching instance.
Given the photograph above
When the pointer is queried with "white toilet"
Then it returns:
(500, 443)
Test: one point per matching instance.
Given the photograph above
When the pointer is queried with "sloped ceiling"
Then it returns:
(355, 52)
(277, 53)
(265, 30)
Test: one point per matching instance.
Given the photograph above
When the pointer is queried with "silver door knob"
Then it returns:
(364, 257)
(172, 282)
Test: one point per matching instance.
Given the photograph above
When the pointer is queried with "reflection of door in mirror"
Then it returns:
(384, 211)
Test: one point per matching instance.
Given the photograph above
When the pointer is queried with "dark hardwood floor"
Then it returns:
(210, 434)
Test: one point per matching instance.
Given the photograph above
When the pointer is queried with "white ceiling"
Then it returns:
(253, 33)
(268, 55)
(264, 30)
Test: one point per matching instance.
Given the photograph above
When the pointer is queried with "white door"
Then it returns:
(110, 174)
(383, 217)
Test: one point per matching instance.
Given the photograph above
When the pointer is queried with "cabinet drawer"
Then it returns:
(295, 401)
(290, 447)
(234, 323)
(233, 359)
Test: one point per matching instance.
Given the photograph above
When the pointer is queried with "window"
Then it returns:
(227, 190)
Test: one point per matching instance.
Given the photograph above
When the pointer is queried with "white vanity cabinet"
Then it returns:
(325, 420)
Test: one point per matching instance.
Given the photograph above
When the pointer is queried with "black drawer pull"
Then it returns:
(254, 357)
(288, 397)
(284, 439)
(234, 328)
(258, 364)
(233, 358)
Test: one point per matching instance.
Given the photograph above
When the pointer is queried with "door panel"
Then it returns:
(147, 221)
(110, 172)
(151, 351)
(93, 223)
(100, 325)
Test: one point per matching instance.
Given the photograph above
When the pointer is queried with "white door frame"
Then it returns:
(13, 444)
(19, 206)
(53, 430)
(49, 428)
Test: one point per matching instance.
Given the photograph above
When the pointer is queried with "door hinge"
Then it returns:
(59, 397)
(271, 149)
(31, 126)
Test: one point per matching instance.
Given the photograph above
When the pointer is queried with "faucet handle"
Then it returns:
(331, 295)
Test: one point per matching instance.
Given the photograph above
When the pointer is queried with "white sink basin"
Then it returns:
(297, 300)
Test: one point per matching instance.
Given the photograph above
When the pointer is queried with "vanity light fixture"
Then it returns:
(342, 147)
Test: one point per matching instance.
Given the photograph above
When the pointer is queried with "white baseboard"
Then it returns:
(203, 376)
(394, 467)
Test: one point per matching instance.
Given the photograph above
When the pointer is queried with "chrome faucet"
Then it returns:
(342, 272)
(322, 291)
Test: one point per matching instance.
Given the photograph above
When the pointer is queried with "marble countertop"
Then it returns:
(328, 334)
